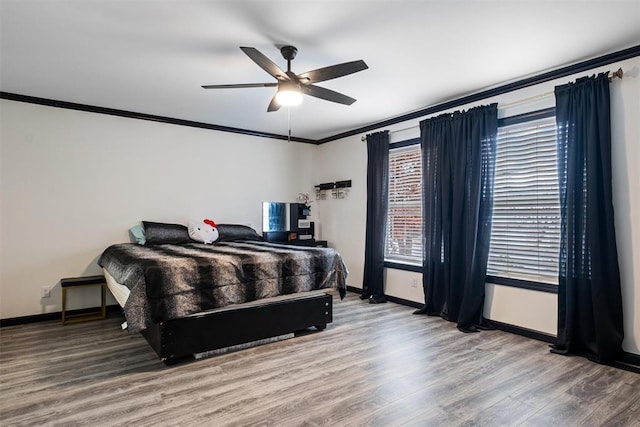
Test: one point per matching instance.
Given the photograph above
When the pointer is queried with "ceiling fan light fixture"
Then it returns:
(292, 86)
(289, 97)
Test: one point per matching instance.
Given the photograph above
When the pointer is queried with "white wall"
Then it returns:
(342, 221)
(73, 183)
(528, 309)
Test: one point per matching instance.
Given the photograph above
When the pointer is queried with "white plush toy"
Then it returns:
(204, 231)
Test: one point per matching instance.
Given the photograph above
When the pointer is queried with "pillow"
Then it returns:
(233, 232)
(158, 233)
(137, 231)
(203, 231)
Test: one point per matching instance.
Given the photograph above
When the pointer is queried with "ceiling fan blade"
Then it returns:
(238, 86)
(273, 105)
(332, 72)
(265, 63)
(326, 94)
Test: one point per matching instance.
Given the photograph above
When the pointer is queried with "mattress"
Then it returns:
(120, 292)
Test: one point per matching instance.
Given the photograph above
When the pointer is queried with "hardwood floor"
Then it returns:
(375, 365)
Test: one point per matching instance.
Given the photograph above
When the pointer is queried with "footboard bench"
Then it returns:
(179, 338)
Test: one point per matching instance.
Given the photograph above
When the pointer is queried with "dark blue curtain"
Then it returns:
(377, 192)
(589, 295)
(458, 160)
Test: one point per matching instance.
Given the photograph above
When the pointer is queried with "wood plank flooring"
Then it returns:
(376, 365)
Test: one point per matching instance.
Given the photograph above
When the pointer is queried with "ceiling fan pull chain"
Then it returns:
(289, 123)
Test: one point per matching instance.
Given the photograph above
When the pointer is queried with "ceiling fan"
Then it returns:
(291, 86)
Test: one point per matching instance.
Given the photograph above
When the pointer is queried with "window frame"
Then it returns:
(498, 280)
(395, 263)
(507, 281)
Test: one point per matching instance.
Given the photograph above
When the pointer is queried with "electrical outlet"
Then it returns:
(414, 282)
(45, 292)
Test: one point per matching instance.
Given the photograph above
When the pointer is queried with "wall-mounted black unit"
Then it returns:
(332, 185)
(327, 186)
(336, 190)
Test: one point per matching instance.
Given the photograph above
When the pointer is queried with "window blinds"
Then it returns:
(404, 217)
(525, 235)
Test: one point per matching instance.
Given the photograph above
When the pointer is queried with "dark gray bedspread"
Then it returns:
(172, 281)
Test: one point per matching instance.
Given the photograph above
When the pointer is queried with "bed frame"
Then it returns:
(177, 339)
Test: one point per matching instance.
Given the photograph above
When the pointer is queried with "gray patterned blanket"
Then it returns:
(172, 281)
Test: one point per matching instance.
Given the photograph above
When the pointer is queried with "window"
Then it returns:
(404, 216)
(525, 237)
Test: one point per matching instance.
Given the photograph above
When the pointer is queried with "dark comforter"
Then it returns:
(172, 281)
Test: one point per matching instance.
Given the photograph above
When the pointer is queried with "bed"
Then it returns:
(189, 298)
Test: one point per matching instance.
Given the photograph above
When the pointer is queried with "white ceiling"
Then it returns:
(152, 56)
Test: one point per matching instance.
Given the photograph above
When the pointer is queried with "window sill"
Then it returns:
(402, 266)
(523, 284)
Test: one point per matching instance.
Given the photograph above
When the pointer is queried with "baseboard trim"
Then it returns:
(525, 332)
(354, 289)
(630, 358)
(403, 301)
(44, 317)
(390, 298)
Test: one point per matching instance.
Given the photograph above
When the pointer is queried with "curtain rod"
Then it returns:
(364, 137)
(619, 73)
(613, 75)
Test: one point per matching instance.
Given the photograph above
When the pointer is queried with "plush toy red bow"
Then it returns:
(211, 223)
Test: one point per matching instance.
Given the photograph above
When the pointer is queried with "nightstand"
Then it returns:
(81, 282)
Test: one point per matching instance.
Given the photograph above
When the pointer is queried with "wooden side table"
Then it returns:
(80, 282)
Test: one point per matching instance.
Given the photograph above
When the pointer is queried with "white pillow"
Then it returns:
(204, 231)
